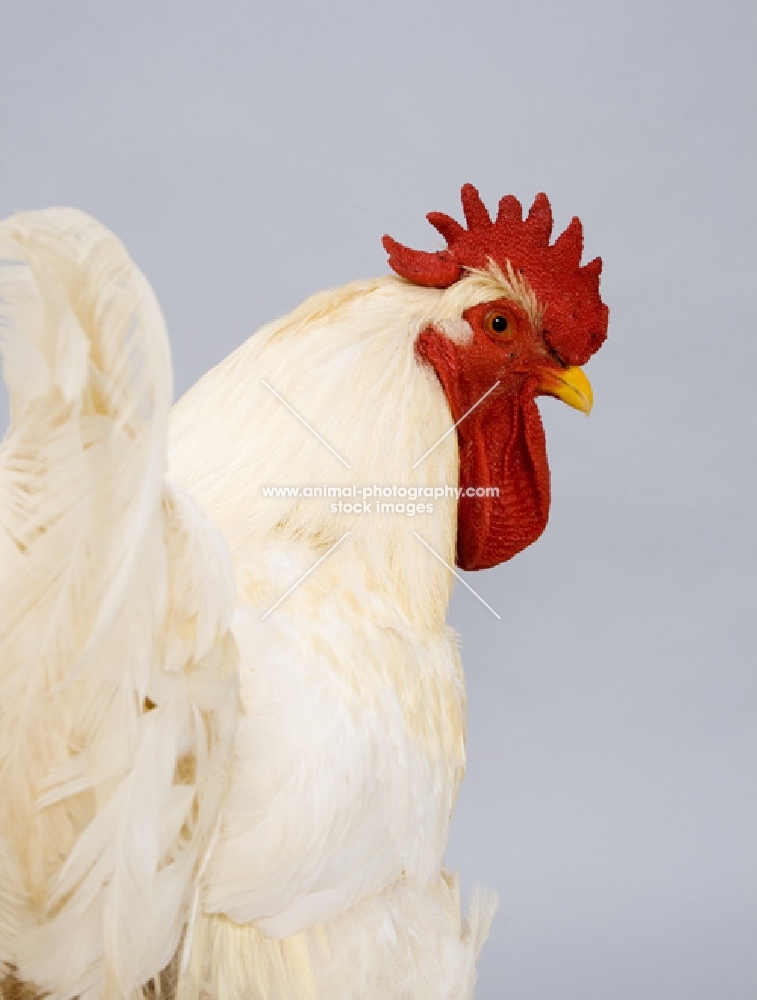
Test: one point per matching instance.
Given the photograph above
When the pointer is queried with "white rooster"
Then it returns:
(232, 725)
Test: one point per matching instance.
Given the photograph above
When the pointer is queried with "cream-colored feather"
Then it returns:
(350, 742)
(118, 678)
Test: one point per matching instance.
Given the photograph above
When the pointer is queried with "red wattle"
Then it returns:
(501, 444)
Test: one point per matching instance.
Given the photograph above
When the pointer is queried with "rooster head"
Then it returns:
(527, 342)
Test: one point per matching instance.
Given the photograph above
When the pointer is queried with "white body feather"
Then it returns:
(325, 878)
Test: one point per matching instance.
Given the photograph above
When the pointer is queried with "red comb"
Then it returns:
(575, 318)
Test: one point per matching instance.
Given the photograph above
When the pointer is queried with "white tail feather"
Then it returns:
(117, 669)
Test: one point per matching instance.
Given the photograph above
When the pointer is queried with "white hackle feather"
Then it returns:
(118, 673)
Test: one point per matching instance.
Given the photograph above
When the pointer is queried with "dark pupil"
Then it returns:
(499, 324)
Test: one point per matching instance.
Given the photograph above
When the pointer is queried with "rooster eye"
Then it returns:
(497, 323)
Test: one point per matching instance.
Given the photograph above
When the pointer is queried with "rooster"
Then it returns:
(232, 725)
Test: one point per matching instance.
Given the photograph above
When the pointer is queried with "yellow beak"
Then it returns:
(568, 384)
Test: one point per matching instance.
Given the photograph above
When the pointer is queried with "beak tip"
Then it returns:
(570, 385)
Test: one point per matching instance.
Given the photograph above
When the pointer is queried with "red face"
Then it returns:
(501, 440)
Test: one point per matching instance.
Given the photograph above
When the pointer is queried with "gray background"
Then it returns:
(250, 154)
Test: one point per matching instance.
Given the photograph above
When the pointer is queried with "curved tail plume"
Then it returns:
(117, 668)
